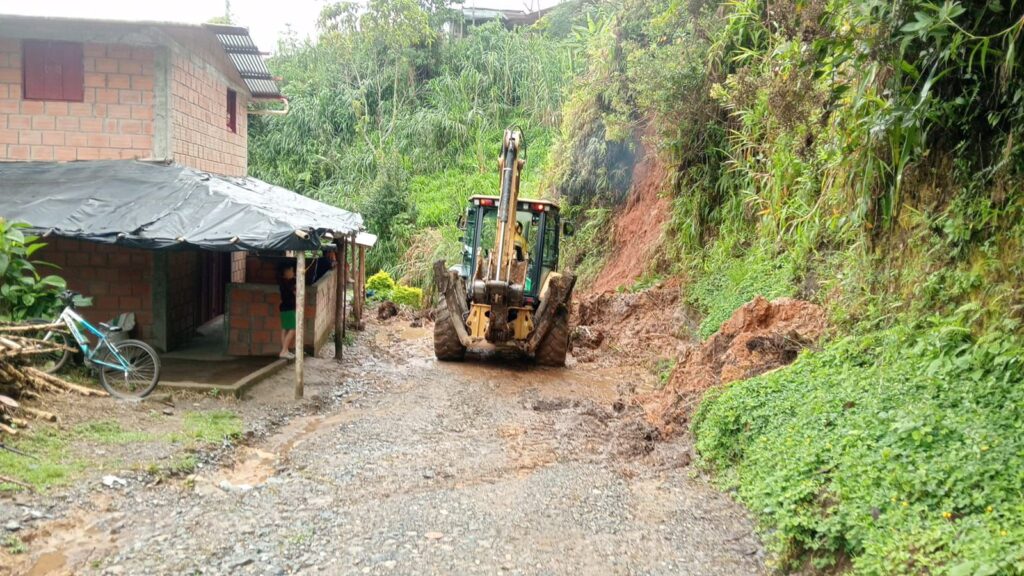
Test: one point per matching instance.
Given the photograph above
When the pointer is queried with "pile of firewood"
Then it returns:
(19, 380)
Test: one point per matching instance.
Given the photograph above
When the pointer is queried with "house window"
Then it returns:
(232, 110)
(52, 70)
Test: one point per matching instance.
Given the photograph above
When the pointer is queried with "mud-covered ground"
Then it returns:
(404, 465)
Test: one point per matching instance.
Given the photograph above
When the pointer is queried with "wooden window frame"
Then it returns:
(52, 70)
(232, 110)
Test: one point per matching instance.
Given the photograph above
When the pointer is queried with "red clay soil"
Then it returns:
(632, 327)
(760, 337)
(637, 228)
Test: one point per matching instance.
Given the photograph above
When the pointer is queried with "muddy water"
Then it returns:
(76, 540)
(49, 563)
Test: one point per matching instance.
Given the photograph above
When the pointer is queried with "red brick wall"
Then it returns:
(114, 121)
(321, 299)
(254, 324)
(238, 267)
(117, 279)
(202, 139)
(254, 328)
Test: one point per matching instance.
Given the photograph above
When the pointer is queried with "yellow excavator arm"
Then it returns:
(510, 167)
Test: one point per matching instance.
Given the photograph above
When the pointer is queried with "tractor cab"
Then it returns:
(507, 290)
(538, 227)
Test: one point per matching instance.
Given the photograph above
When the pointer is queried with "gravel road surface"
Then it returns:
(410, 466)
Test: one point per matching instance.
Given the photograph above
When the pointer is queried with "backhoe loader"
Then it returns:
(507, 292)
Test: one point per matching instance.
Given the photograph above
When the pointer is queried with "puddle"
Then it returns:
(410, 333)
(79, 539)
(48, 564)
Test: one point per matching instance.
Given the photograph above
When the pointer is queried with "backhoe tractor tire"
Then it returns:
(447, 346)
(552, 349)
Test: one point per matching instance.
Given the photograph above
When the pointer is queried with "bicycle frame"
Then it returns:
(73, 320)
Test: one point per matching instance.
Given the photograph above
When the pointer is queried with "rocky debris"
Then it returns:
(632, 327)
(760, 336)
(585, 337)
(387, 309)
(111, 481)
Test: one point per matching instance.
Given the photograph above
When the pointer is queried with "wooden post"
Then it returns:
(362, 281)
(300, 320)
(358, 297)
(342, 314)
(355, 271)
(339, 297)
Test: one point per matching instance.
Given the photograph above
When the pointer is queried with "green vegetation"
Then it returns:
(211, 426)
(901, 449)
(51, 464)
(109, 432)
(24, 294)
(182, 465)
(384, 287)
(866, 155)
(14, 545)
(402, 121)
(56, 456)
(728, 283)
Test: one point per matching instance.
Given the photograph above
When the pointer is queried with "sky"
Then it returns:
(266, 19)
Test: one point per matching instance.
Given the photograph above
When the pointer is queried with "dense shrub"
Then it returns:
(385, 288)
(380, 283)
(901, 449)
(24, 293)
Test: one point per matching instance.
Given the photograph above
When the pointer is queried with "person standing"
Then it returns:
(287, 309)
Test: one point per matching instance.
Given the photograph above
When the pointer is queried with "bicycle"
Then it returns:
(128, 369)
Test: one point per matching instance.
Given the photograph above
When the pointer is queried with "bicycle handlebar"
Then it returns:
(68, 297)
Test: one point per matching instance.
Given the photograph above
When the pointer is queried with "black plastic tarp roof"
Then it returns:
(165, 207)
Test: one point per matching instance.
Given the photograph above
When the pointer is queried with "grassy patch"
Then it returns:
(53, 460)
(50, 462)
(213, 426)
(110, 432)
(14, 545)
(182, 465)
(901, 450)
(663, 368)
(731, 282)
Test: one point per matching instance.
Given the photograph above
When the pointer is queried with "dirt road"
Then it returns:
(416, 467)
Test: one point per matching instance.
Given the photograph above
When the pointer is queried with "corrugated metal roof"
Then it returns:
(247, 59)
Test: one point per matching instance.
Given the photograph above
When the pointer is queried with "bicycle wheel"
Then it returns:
(142, 374)
(49, 362)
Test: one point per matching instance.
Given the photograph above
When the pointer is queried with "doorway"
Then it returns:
(216, 274)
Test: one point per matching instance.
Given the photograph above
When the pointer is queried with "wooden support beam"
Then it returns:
(359, 298)
(339, 298)
(343, 314)
(300, 321)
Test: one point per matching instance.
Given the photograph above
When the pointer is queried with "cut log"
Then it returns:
(39, 414)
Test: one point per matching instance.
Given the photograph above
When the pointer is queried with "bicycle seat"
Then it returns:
(110, 327)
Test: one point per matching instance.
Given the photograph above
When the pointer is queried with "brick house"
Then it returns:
(87, 90)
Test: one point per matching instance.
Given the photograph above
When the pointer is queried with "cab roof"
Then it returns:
(529, 200)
